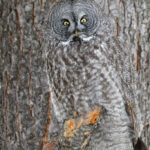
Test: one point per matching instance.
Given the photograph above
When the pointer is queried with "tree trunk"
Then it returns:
(24, 94)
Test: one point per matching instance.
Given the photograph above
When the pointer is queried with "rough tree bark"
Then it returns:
(24, 95)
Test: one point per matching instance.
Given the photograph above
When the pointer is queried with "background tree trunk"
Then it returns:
(24, 93)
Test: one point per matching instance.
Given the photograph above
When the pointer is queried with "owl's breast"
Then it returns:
(82, 77)
(75, 65)
(74, 75)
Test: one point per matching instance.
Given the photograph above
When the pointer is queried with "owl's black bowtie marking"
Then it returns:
(76, 38)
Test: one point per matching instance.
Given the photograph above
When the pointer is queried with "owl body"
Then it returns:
(84, 79)
(88, 67)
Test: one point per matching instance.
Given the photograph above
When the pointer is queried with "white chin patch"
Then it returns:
(65, 43)
(82, 37)
(86, 39)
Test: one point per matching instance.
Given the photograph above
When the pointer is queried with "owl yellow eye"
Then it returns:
(66, 23)
(83, 20)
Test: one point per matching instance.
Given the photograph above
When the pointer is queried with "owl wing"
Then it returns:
(121, 58)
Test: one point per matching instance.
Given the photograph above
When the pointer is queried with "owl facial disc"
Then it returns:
(73, 21)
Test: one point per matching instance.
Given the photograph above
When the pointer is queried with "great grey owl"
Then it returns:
(88, 68)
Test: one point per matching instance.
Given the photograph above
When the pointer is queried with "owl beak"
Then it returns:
(76, 37)
(76, 32)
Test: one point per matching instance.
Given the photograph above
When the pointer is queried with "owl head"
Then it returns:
(74, 20)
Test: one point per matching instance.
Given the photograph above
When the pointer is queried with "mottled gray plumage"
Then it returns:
(89, 67)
